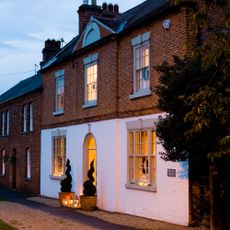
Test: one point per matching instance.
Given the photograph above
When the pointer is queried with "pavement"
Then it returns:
(24, 209)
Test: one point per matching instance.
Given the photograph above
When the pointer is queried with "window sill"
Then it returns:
(57, 177)
(5, 135)
(149, 188)
(89, 104)
(27, 179)
(2, 175)
(57, 113)
(139, 94)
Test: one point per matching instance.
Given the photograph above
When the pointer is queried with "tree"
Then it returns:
(194, 93)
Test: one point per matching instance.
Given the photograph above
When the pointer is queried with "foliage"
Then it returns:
(4, 226)
(66, 183)
(89, 187)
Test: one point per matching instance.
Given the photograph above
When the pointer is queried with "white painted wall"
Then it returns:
(169, 203)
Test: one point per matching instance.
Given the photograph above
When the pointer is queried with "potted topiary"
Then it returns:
(88, 201)
(66, 196)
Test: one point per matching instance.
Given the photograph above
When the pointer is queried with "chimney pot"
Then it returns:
(85, 2)
(116, 9)
(110, 7)
(104, 6)
(94, 2)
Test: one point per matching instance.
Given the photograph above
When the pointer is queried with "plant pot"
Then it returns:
(64, 197)
(88, 203)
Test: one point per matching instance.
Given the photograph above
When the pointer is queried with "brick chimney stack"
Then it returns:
(85, 11)
(52, 47)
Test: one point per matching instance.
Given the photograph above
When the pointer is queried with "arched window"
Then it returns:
(90, 155)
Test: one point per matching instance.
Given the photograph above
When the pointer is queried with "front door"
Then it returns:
(90, 155)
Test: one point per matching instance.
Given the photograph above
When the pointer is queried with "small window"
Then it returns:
(59, 102)
(3, 123)
(142, 158)
(28, 163)
(91, 74)
(2, 163)
(31, 117)
(24, 127)
(7, 122)
(59, 156)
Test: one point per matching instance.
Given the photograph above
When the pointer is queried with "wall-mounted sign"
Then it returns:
(171, 172)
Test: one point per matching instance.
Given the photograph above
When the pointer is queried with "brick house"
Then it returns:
(100, 105)
(20, 125)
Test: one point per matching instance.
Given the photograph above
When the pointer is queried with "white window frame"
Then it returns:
(31, 116)
(59, 76)
(138, 42)
(25, 118)
(55, 150)
(7, 122)
(3, 169)
(149, 126)
(28, 163)
(88, 62)
(3, 123)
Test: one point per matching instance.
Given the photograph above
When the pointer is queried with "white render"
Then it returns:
(169, 203)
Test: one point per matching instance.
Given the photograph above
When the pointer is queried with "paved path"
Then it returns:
(13, 201)
(39, 213)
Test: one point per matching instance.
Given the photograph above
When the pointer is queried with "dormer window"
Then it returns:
(91, 34)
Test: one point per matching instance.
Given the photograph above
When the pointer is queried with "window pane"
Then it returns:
(131, 168)
(131, 143)
(91, 82)
(59, 156)
(144, 143)
(153, 152)
(60, 93)
(152, 171)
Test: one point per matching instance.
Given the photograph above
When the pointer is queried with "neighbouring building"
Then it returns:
(99, 103)
(20, 128)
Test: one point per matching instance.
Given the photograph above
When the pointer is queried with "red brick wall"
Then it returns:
(163, 45)
(74, 89)
(115, 76)
(21, 141)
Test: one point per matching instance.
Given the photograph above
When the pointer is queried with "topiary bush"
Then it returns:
(89, 187)
(66, 184)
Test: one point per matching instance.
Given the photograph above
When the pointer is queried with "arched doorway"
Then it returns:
(90, 154)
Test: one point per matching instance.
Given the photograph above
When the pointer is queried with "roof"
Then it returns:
(23, 87)
(141, 13)
(123, 22)
(63, 53)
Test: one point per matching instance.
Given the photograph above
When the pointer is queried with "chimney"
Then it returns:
(52, 47)
(85, 12)
(110, 10)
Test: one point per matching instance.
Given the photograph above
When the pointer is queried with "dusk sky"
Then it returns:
(26, 24)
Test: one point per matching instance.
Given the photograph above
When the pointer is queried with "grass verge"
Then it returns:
(4, 226)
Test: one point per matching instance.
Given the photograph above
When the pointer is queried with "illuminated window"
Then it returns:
(59, 101)
(59, 155)
(141, 70)
(28, 163)
(2, 162)
(91, 73)
(31, 117)
(3, 123)
(141, 158)
(91, 83)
